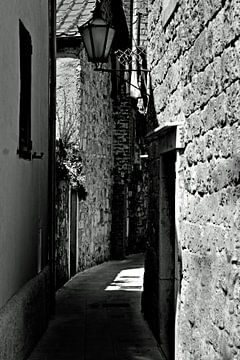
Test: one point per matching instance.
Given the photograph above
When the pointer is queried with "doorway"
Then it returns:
(73, 232)
(166, 282)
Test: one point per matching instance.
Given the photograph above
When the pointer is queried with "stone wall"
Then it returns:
(88, 93)
(62, 259)
(130, 181)
(195, 68)
(104, 130)
(129, 191)
(96, 136)
(129, 195)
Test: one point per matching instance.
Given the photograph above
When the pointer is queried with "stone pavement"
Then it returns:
(98, 317)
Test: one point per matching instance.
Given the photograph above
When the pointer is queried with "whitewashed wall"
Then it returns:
(23, 190)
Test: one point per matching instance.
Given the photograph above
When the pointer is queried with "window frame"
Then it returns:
(25, 99)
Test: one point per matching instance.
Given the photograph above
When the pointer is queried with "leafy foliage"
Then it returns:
(69, 164)
(69, 167)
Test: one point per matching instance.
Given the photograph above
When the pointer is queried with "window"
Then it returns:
(168, 9)
(25, 46)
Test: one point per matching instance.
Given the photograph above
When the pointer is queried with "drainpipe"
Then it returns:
(131, 20)
(51, 151)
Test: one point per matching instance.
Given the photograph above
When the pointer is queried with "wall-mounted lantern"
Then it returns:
(97, 36)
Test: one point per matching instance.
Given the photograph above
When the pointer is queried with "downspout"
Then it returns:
(131, 21)
(51, 151)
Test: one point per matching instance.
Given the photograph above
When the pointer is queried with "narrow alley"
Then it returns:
(98, 316)
(120, 134)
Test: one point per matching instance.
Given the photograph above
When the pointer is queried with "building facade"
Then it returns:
(148, 158)
(25, 211)
(88, 122)
(191, 296)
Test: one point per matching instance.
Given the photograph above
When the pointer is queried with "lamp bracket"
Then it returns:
(119, 70)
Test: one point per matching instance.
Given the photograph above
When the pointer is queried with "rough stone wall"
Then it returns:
(62, 233)
(129, 203)
(128, 192)
(195, 68)
(96, 137)
(88, 95)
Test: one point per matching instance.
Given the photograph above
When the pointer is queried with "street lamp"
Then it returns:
(97, 36)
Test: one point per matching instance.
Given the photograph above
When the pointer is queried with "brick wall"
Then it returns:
(195, 68)
(130, 181)
(122, 167)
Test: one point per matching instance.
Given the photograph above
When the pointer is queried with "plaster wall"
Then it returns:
(25, 318)
(23, 192)
(194, 62)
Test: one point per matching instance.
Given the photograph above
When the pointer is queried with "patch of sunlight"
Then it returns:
(127, 280)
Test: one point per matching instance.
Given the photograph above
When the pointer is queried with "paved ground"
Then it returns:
(98, 317)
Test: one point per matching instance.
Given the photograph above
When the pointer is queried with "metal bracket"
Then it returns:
(38, 156)
(119, 70)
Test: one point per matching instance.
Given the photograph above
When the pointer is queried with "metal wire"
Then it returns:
(128, 56)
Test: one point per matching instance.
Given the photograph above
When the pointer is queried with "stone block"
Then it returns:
(233, 102)
(216, 27)
(230, 66)
(195, 66)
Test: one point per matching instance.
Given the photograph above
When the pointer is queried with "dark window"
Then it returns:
(25, 45)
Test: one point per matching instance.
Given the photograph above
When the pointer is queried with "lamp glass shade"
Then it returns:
(97, 37)
(111, 33)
